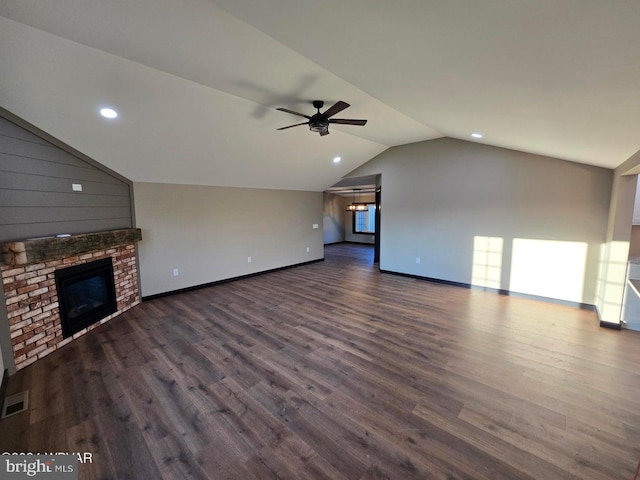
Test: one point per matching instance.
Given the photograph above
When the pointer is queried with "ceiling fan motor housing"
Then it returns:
(318, 123)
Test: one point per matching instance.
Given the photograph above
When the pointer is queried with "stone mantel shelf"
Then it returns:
(37, 250)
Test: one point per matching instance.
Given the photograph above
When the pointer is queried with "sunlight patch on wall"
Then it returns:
(612, 273)
(487, 261)
(548, 268)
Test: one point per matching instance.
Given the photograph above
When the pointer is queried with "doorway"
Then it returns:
(352, 213)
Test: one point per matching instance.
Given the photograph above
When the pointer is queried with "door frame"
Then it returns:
(376, 250)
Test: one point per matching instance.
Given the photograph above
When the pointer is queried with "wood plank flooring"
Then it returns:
(335, 371)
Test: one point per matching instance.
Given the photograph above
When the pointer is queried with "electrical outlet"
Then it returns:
(176, 272)
(76, 187)
(248, 259)
(315, 225)
(418, 260)
(307, 249)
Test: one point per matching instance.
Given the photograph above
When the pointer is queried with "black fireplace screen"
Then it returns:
(86, 294)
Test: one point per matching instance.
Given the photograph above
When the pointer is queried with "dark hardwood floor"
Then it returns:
(335, 371)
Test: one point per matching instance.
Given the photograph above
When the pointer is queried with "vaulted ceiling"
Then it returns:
(196, 82)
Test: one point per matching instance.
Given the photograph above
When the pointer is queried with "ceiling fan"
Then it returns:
(319, 122)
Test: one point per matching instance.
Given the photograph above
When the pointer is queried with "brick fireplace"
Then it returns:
(28, 279)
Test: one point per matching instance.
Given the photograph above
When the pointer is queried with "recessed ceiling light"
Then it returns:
(476, 135)
(108, 112)
(337, 160)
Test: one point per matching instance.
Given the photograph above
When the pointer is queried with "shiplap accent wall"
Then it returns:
(36, 196)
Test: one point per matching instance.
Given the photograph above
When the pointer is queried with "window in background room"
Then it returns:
(364, 221)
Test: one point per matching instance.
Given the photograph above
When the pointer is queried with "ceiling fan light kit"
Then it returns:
(319, 122)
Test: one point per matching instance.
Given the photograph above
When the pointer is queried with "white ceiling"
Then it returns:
(196, 82)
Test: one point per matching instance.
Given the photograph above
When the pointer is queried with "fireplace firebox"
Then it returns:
(86, 294)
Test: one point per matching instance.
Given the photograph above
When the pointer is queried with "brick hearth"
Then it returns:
(32, 300)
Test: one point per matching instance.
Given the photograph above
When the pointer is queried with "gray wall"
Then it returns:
(6, 349)
(634, 242)
(36, 196)
(333, 219)
(441, 196)
(207, 233)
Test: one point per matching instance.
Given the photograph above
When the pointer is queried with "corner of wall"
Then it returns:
(6, 350)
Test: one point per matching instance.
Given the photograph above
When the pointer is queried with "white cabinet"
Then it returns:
(631, 305)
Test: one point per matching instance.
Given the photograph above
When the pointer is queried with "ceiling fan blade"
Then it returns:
(290, 126)
(324, 132)
(293, 113)
(348, 121)
(337, 107)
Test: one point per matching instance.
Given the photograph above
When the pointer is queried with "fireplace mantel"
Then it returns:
(37, 250)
